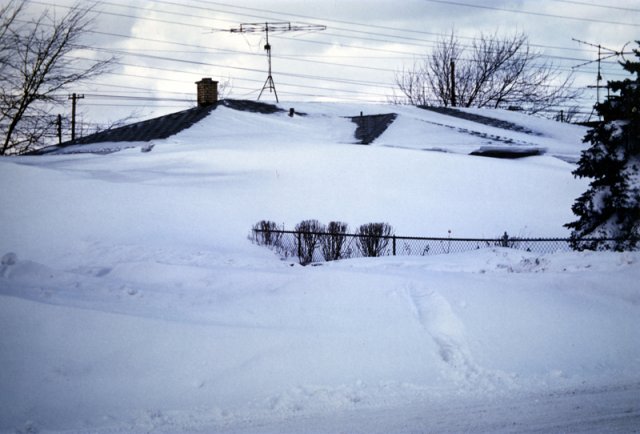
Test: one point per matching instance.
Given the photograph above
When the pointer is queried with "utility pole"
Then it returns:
(273, 27)
(74, 97)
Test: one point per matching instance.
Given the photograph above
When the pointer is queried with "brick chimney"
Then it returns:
(207, 92)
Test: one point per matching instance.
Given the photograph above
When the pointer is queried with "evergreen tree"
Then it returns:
(609, 211)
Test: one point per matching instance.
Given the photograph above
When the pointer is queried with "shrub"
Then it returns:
(373, 238)
(309, 233)
(333, 242)
(266, 233)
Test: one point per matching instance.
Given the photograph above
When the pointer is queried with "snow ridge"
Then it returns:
(447, 330)
(131, 300)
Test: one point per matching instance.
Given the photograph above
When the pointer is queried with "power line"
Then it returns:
(138, 98)
(96, 104)
(236, 51)
(215, 10)
(241, 68)
(129, 6)
(365, 85)
(313, 18)
(539, 14)
(314, 78)
(368, 25)
(594, 5)
(287, 56)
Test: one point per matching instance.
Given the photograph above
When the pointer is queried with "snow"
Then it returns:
(132, 301)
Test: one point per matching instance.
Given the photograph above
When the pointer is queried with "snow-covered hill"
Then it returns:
(132, 301)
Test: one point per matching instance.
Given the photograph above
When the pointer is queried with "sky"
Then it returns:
(164, 46)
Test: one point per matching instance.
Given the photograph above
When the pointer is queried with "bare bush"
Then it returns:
(334, 240)
(373, 238)
(309, 233)
(266, 233)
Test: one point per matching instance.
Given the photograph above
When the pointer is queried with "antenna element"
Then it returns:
(273, 27)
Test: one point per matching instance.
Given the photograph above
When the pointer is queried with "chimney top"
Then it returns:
(207, 92)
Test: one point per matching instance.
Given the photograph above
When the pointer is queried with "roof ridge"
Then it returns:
(482, 119)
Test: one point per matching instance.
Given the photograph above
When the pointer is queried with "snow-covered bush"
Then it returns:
(334, 240)
(309, 233)
(373, 238)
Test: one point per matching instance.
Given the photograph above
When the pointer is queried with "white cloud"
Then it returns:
(381, 34)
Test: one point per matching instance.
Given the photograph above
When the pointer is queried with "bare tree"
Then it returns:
(37, 67)
(8, 15)
(491, 72)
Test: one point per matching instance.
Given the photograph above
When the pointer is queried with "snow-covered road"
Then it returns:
(608, 409)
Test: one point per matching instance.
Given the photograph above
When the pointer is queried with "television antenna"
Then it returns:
(604, 53)
(274, 27)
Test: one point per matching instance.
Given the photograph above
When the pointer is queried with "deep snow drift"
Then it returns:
(132, 301)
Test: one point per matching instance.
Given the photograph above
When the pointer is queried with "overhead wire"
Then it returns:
(423, 41)
(369, 25)
(298, 76)
(539, 14)
(594, 5)
(128, 5)
(236, 51)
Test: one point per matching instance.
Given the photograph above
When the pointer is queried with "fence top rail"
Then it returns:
(401, 237)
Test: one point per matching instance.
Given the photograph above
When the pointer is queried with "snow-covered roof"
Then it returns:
(486, 132)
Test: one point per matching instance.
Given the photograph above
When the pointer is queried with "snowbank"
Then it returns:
(159, 344)
(132, 301)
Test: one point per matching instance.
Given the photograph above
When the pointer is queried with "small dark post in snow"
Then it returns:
(505, 240)
(453, 83)
(291, 112)
(59, 125)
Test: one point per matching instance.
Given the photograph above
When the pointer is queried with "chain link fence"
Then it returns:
(310, 247)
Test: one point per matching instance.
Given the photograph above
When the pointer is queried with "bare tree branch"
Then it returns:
(38, 69)
(494, 72)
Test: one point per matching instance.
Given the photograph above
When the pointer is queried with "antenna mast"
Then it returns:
(273, 27)
(601, 56)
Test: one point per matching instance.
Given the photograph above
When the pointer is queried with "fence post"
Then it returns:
(394, 245)
(505, 240)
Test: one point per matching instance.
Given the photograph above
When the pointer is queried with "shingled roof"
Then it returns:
(162, 126)
(151, 129)
(492, 122)
(144, 131)
(370, 127)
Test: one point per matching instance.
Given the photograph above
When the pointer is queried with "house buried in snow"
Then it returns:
(369, 127)
(488, 133)
(156, 128)
(168, 125)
